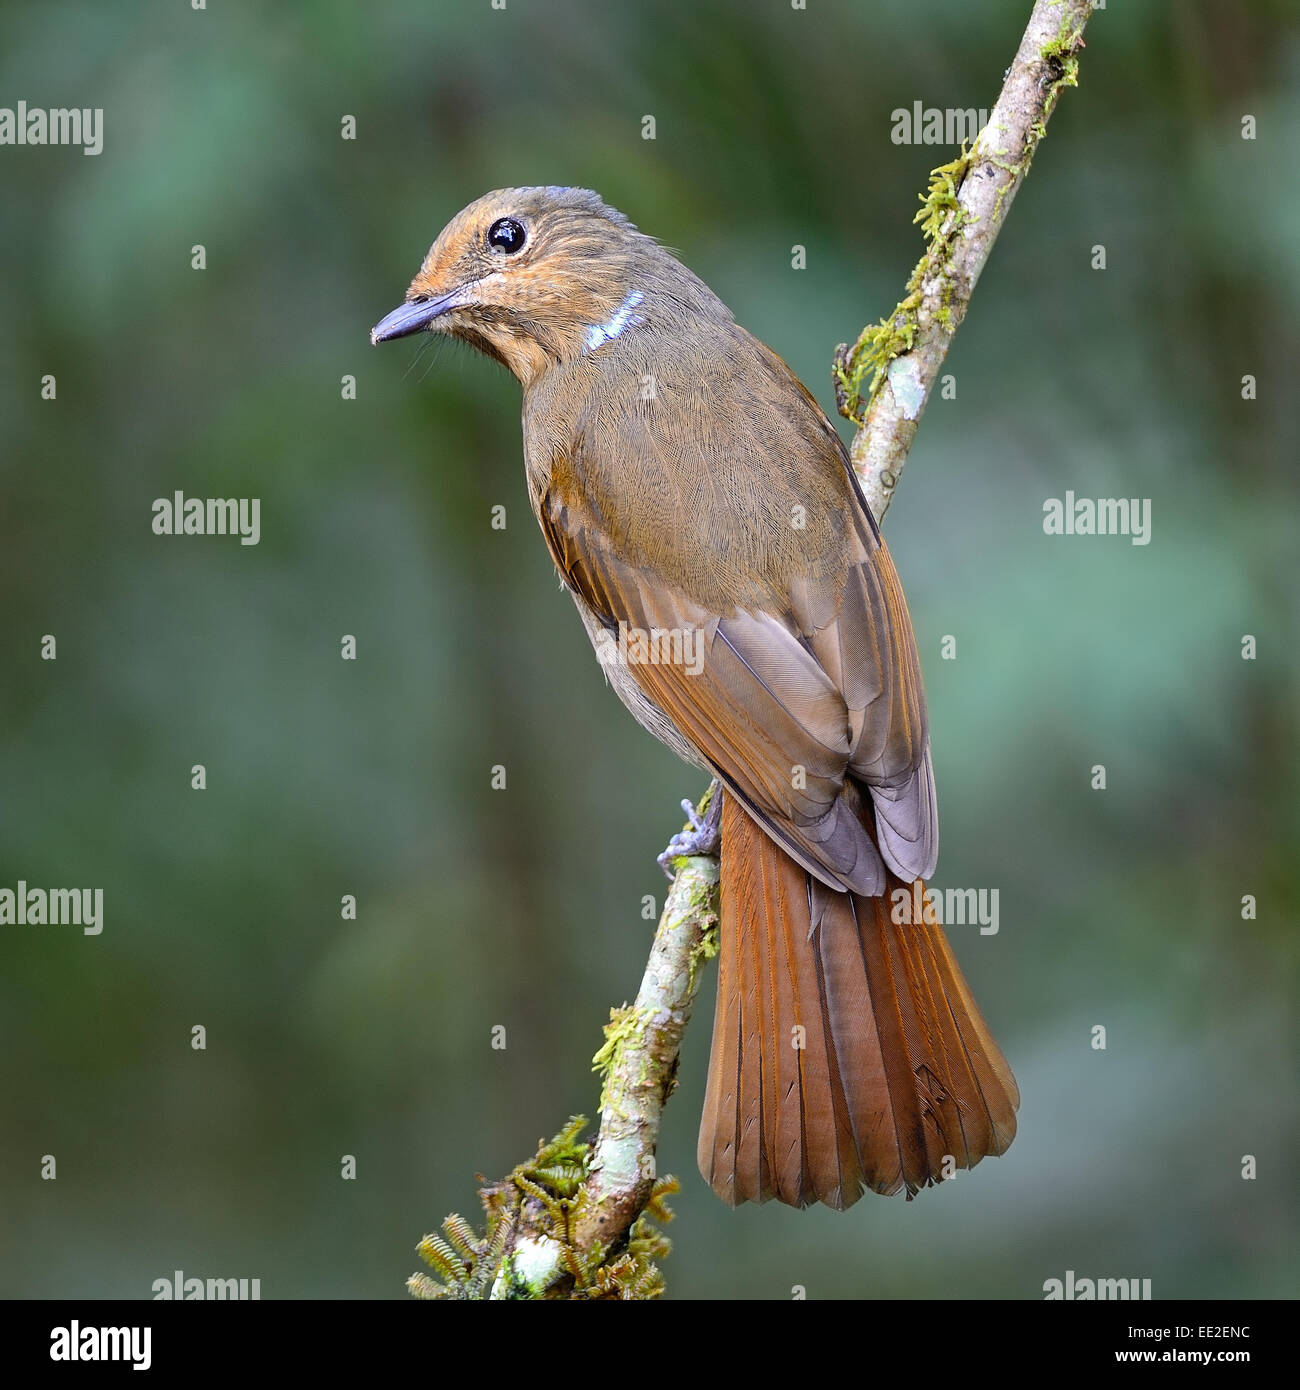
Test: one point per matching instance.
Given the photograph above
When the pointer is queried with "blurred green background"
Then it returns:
(522, 907)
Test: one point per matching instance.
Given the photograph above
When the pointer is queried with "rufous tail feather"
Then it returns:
(847, 1050)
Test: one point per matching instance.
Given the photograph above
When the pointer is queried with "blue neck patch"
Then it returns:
(605, 332)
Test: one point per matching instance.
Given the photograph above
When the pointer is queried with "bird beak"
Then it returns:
(413, 316)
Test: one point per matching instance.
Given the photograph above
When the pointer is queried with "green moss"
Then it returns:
(1061, 57)
(940, 218)
(624, 1025)
(707, 947)
(857, 372)
(524, 1251)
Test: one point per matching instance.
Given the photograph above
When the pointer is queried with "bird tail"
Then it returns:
(847, 1050)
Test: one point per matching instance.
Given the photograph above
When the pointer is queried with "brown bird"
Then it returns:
(702, 511)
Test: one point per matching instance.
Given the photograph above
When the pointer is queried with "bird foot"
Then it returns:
(702, 838)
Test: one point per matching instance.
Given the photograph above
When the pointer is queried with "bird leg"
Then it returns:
(702, 838)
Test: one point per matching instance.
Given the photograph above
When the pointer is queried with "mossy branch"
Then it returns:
(883, 382)
(575, 1221)
(578, 1220)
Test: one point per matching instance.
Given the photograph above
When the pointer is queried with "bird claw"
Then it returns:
(701, 839)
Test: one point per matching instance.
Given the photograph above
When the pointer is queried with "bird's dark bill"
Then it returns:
(411, 318)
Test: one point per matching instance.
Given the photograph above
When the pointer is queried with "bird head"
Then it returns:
(531, 277)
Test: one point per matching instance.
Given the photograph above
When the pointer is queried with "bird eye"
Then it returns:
(506, 235)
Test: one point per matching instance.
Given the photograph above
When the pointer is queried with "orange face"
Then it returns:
(529, 276)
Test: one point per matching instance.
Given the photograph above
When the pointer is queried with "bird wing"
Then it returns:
(792, 710)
